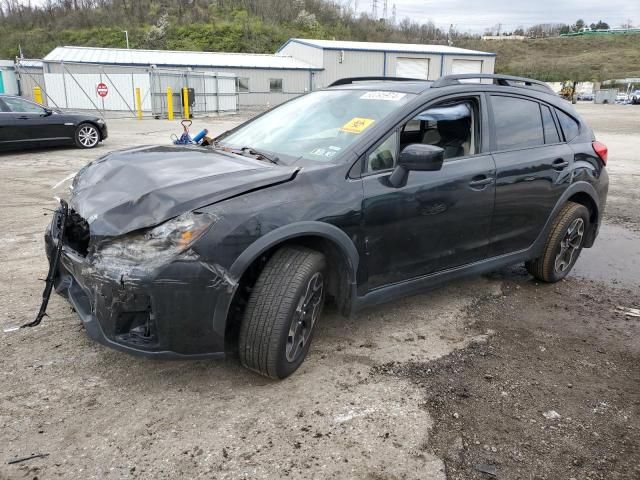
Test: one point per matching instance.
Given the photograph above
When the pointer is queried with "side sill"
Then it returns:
(427, 282)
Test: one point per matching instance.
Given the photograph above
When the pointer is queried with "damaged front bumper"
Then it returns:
(164, 310)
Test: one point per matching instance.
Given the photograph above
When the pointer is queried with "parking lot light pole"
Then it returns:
(126, 37)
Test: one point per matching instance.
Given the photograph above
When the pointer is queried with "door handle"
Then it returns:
(24, 117)
(480, 182)
(560, 163)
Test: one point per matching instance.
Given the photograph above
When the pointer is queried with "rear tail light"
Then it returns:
(601, 150)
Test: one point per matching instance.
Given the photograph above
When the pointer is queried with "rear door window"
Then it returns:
(569, 125)
(550, 131)
(517, 123)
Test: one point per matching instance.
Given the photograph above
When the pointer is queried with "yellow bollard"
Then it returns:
(185, 102)
(138, 103)
(37, 95)
(169, 103)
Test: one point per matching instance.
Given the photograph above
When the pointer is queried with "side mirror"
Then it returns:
(419, 157)
(47, 112)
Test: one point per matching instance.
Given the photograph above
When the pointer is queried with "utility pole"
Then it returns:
(393, 14)
(384, 10)
(126, 37)
(374, 9)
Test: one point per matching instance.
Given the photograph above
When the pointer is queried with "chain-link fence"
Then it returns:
(207, 92)
(120, 91)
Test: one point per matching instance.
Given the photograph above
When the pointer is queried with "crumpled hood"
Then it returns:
(142, 187)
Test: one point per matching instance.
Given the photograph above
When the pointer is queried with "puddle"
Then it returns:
(615, 258)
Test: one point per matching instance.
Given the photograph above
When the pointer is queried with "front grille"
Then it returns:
(76, 233)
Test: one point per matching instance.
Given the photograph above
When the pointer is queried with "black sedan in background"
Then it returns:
(25, 124)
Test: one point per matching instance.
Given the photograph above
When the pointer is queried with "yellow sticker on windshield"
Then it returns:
(357, 125)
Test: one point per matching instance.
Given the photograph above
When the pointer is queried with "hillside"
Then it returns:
(261, 26)
(566, 58)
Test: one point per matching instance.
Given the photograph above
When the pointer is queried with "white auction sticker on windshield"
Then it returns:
(380, 95)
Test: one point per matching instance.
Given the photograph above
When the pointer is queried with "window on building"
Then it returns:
(518, 123)
(550, 130)
(569, 125)
(243, 84)
(275, 85)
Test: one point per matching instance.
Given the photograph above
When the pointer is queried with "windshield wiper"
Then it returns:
(258, 153)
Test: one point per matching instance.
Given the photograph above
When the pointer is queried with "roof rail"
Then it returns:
(350, 80)
(504, 80)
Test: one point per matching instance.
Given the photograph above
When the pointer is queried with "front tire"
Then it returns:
(563, 245)
(87, 135)
(283, 308)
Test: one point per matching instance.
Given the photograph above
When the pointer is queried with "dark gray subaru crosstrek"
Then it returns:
(359, 193)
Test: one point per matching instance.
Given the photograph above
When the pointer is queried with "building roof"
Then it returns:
(174, 58)
(27, 63)
(385, 47)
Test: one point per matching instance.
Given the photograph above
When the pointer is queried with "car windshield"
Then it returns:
(316, 126)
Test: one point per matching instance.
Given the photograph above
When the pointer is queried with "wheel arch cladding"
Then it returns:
(340, 252)
(577, 190)
(585, 199)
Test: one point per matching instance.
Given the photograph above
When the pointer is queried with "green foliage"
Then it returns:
(582, 58)
(261, 26)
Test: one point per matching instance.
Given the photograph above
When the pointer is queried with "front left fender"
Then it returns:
(300, 229)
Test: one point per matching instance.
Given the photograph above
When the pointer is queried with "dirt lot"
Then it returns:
(448, 384)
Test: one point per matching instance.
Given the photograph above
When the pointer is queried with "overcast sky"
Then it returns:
(470, 15)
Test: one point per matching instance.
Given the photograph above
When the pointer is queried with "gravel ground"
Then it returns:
(411, 389)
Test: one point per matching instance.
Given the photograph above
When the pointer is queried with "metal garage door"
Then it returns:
(412, 67)
(466, 66)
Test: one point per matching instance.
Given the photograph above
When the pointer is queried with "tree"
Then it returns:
(579, 25)
(599, 26)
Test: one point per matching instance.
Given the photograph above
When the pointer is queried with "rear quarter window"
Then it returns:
(550, 130)
(570, 126)
(517, 122)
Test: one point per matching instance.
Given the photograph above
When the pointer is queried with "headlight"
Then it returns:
(159, 243)
(100, 121)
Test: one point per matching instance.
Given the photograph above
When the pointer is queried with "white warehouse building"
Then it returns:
(299, 66)
(339, 59)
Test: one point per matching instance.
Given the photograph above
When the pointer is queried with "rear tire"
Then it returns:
(283, 308)
(563, 245)
(87, 135)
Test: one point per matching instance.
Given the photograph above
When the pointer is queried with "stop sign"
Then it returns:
(102, 89)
